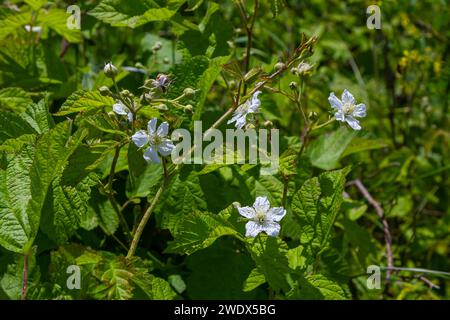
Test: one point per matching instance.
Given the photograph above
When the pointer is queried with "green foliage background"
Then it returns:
(58, 140)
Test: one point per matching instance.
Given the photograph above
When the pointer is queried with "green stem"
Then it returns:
(323, 124)
(145, 218)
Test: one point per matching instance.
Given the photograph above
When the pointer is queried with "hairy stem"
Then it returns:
(142, 224)
(25, 277)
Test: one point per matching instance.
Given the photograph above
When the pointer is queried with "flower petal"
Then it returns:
(241, 122)
(163, 129)
(165, 148)
(360, 110)
(150, 155)
(151, 126)
(276, 214)
(140, 138)
(252, 229)
(347, 97)
(247, 212)
(353, 123)
(334, 101)
(130, 117)
(120, 108)
(271, 228)
(339, 116)
(261, 204)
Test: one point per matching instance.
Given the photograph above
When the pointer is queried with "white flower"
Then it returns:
(262, 218)
(346, 110)
(156, 139)
(123, 110)
(302, 68)
(249, 106)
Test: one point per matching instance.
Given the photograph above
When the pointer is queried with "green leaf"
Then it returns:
(330, 289)
(125, 13)
(13, 126)
(199, 230)
(218, 272)
(269, 255)
(326, 151)
(14, 99)
(56, 19)
(254, 280)
(316, 205)
(84, 101)
(364, 144)
(38, 117)
(25, 182)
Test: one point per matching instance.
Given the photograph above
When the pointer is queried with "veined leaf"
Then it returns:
(199, 230)
(84, 101)
(14, 99)
(326, 151)
(125, 13)
(316, 205)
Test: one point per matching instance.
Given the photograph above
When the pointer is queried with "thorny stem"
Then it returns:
(25, 277)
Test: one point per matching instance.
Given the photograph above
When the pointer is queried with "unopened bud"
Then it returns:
(188, 92)
(157, 46)
(166, 60)
(162, 107)
(279, 66)
(268, 124)
(293, 85)
(110, 70)
(104, 91)
(189, 108)
(126, 93)
(313, 116)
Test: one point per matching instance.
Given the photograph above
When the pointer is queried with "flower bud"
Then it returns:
(166, 60)
(189, 108)
(313, 116)
(161, 107)
(110, 70)
(293, 85)
(188, 92)
(268, 124)
(279, 66)
(236, 205)
(104, 91)
(157, 46)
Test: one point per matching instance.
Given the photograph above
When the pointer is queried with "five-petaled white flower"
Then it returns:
(249, 106)
(156, 139)
(123, 110)
(262, 218)
(346, 110)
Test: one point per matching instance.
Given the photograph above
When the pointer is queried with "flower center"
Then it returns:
(155, 140)
(260, 216)
(348, 108)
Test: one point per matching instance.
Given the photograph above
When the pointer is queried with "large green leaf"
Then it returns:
(132, 13)
(25, 182)
(270, 257)
(14, 99)
(316, 205)
(84, 101)
(199, 230)
(326, 151)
